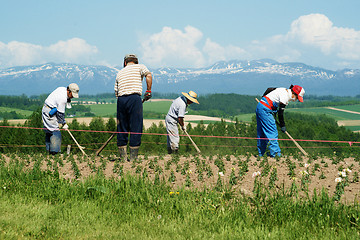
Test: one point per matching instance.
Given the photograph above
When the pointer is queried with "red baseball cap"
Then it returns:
(299, 92)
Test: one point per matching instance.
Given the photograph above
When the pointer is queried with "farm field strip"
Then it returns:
(343, 110)
(20, 111)
(150, 106)
(196, 172)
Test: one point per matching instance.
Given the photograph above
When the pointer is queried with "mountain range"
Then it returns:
(242, 77)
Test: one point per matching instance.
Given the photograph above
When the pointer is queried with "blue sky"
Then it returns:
(171, 33)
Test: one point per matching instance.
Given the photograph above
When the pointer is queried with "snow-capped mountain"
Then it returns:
(40, 79)
(243, 77)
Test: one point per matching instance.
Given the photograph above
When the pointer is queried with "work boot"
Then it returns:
(123, 153)
(169, 150)
(134, 153)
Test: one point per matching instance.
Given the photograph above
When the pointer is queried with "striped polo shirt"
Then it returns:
(129, 80)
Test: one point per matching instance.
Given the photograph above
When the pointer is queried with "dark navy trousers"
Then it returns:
(130, 120)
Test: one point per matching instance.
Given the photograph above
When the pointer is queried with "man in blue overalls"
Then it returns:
(274, 100)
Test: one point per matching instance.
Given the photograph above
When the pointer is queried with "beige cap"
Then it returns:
(191, 96)
(130, 56)
(74, 88)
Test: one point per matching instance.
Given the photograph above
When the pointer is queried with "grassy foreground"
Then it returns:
(39, 204)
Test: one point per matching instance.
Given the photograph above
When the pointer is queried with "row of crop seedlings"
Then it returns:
(203, 169)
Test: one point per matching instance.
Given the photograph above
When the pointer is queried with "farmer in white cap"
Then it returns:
(274, 101)
(128, 90)
(176, 115)
(53, 114)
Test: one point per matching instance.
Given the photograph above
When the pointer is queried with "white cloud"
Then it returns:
(74, 50)
(312, 39)
(18, 53)
(216, 52)
(173, 47)
(318, 31)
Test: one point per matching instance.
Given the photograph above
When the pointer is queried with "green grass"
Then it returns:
(38, 204)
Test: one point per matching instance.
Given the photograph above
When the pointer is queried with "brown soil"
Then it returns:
(321, 172)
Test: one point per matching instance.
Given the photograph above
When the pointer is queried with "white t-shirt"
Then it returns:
(177, 108)
(58, 99)
(280, 95)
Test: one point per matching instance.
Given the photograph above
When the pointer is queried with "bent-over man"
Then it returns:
(176, 116)
(53, 114)
(274, 101)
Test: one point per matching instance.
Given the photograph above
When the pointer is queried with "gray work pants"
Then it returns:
(172, 130)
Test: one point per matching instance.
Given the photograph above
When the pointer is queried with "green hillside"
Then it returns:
(337, 115)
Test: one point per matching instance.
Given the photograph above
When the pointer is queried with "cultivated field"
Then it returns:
(72, 196)
(240, 173)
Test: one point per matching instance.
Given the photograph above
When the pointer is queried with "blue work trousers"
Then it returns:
(53, 141)
(266, 129)
(130, 119)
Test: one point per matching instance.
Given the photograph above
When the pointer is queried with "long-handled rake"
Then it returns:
(105, 144)
(196, 147)
(80, 147)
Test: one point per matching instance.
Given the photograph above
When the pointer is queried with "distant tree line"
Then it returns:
(225, 105)
(215, 105)
(20, 102)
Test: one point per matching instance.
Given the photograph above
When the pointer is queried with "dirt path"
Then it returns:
(348, 122)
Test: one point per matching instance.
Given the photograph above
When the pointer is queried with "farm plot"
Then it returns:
(299, 175)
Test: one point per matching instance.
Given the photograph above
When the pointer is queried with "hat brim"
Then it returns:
(300, 98)
(75, 95)
(190, 98)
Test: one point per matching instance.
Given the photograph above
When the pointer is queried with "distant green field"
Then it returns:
(355, 108)
(162, 107)
(158, 107)
(337, 115)
(245, 117)
(353, 128)
(106, 110)
(19, 111)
